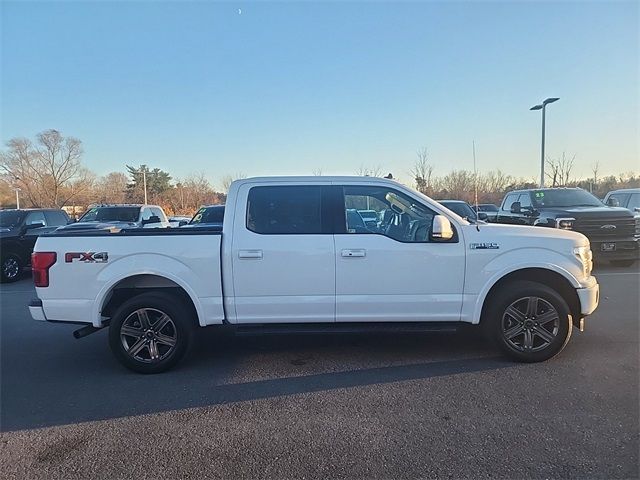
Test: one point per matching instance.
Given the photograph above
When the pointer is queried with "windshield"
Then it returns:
(111, 214)
(565, 198)
(208, 215)
(462, 209)
(10, 219)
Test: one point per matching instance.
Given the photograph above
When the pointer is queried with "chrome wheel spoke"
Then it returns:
(528, 340)
(137, 347)
(161, 323)
(514, 332)
(153, 350)
(544, 334)
(131, 331)
(547, 317)
(143, 318)
(165, 340)
(516, 314)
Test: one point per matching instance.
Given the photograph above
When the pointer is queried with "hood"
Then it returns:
(79, 226)
(525, 236)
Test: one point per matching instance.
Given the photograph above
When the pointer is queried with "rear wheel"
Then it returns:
(150, 333)
(10, 268)
(529, 321)
(622, 263)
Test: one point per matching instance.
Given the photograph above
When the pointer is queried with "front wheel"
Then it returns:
(150, 333)
(529, 321)
(10, 268)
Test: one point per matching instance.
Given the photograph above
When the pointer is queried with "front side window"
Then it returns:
(285, 210)
(35, 217)
(525, 200)
(56, 218)
(398, 216)
(634, 201)
(510, 200)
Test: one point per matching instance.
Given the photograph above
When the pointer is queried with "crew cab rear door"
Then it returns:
(283, 256)
(393, 271)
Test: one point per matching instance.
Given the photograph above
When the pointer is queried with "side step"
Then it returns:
(355, 327)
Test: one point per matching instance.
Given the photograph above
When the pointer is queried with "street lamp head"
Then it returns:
(536, 107)
(550, 100)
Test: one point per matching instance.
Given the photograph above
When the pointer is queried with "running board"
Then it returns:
(332, 328)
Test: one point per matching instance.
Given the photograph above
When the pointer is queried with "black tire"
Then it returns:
(10, 268)
(528, 330)
(622, 263)
(128, 331)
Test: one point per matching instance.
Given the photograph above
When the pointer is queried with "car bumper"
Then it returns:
(36, 310)
(624, 249)
(589, 298)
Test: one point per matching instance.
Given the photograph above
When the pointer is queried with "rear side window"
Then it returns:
(56, 218)
(510, 200)
(285, 210)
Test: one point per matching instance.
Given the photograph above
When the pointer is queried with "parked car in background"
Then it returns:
(19, 230)
(208, 216)
(463, 209)
(490, 209)
(106, 217)
(178, 221)
(628, 198)
(613, 231)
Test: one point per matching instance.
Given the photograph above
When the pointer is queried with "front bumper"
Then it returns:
(36, 310)
(625, 249)
(589, 297)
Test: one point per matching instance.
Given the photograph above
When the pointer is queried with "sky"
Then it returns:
(283, 88)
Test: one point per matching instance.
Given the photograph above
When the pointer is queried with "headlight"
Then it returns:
(565, 223)
(586, 258)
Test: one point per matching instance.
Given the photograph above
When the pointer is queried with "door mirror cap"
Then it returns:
(31, 226)
(151, 219)
(516, 207)
(482, 216)
(613, 202)
(441, 229)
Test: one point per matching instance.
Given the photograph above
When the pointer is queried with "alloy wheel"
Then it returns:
(148, 335)
(530, 324)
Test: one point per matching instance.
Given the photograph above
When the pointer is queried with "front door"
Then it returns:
(283, 255)
(393, 271)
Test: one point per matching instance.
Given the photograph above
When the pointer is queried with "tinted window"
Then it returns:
(10, 219)
(634, 201)
(510, 200)
(111, 214)
(621, 198)
(399, 216)
(525, 200)
(56, 218)
(35, 217)
(285, 210)
(209, 215)
(565, 198)
(487, 208)
(462, 209)
(158, 213)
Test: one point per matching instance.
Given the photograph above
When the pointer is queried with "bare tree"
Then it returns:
(43, 171)
(595, 169)
(228, 179)
(422, 172)
(369, 172)
(560, 174)
(111, 188)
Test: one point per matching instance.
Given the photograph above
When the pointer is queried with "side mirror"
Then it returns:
(482, 216)
(636, 209)
(31, 226)
(151, 219)
(613, 202)
(441, 229)
(516, 208)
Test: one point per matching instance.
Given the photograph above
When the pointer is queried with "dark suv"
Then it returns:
(614, 233)
(19, 230)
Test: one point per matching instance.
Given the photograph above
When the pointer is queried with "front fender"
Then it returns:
(479, 284)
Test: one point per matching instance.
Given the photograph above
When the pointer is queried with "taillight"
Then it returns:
(41, 262)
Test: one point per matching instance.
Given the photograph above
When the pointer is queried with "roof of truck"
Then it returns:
(317, 179)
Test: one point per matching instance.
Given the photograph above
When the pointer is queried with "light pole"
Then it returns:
(543, 107)
(17, 198)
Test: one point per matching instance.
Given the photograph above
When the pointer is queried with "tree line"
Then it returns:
(48, 172)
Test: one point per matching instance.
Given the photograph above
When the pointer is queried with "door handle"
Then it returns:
(250, 254)
(357, 252)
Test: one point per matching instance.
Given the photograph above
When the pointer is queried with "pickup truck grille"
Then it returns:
(624, 227)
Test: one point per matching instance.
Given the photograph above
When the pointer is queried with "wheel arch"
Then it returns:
(563, 283)
(122, 289)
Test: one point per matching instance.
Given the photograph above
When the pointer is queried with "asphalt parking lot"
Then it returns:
(429, 405)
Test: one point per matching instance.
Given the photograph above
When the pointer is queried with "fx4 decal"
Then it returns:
(87, 257)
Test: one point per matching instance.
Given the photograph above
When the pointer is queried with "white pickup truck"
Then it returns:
(296, 254)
